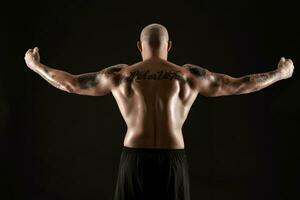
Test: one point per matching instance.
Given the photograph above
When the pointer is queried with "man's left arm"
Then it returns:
(93, 84)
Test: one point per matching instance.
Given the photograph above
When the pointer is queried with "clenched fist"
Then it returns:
(32, 58)
(286, 67)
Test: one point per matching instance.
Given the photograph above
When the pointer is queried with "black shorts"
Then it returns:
(156, 174)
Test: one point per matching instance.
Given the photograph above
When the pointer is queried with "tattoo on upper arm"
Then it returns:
(198, 71)
(217, 80)
(88, 80)
(113, 69)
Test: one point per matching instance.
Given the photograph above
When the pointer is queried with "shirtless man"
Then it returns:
(154, 97)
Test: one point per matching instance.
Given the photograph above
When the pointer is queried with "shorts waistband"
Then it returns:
(152, 150)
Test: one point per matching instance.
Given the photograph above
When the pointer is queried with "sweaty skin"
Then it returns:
(155, 95)
(154, 98)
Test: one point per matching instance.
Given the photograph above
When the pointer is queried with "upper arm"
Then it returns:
(213, 84)
(96, 83)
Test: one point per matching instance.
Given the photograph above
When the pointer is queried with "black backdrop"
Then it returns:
(56, 145)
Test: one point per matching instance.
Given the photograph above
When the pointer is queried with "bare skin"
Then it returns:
(155, 96)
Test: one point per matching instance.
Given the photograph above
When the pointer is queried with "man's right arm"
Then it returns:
(216, 84)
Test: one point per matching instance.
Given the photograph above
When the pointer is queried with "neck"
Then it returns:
(155, 55)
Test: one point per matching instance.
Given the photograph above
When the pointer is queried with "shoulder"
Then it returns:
(196, 70)
(112, 70)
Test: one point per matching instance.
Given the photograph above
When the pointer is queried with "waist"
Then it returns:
(157, 141)
(152, 150)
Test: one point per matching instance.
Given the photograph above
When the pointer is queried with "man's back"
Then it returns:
(154, 98)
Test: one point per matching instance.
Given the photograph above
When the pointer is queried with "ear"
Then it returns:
(169, 45)
(139, 46)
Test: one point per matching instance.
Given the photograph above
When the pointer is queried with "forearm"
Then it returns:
(59, 79)
(255, 82)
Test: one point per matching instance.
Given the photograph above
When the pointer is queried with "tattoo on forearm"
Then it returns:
(260, 78)
(246, 79)
(45, 69)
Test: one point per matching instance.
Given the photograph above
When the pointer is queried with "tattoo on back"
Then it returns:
(159, 75)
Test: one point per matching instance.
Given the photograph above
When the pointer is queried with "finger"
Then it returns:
(288, 61)
(29, 50)
(282, 59)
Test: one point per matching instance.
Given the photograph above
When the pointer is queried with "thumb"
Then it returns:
(282, 59)
(35, 49)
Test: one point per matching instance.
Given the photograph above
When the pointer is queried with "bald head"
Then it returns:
(154, 35)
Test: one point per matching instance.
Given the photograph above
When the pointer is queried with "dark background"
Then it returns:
(56, 145)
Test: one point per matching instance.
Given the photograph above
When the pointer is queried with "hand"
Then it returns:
(32, 58)
(285, 67)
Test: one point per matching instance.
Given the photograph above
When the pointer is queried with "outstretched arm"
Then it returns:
(93, 84)
(215, 84)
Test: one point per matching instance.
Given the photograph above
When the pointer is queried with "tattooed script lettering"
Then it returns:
(160, 75)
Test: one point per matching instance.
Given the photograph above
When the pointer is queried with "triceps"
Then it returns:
(88, 80)
(95, 83)
(198, 71)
